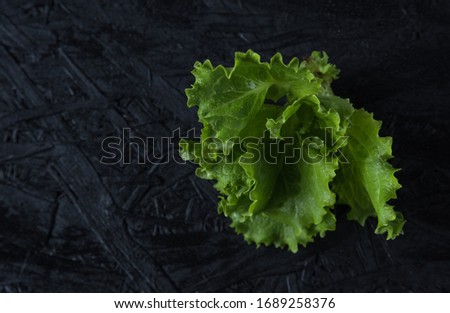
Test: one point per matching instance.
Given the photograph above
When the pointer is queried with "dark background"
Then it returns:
(75, 72)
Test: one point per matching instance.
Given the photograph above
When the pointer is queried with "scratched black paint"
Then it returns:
(75, 72)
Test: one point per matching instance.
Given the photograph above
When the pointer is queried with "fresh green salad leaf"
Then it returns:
(282, 149)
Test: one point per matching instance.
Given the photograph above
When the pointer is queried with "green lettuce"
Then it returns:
(282, 149)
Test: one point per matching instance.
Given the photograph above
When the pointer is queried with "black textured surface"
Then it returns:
(75, 72)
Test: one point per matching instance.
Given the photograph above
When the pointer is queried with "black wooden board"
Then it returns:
(75, 72)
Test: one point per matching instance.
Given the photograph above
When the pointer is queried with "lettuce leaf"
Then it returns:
(367, 182)
(281, 167)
